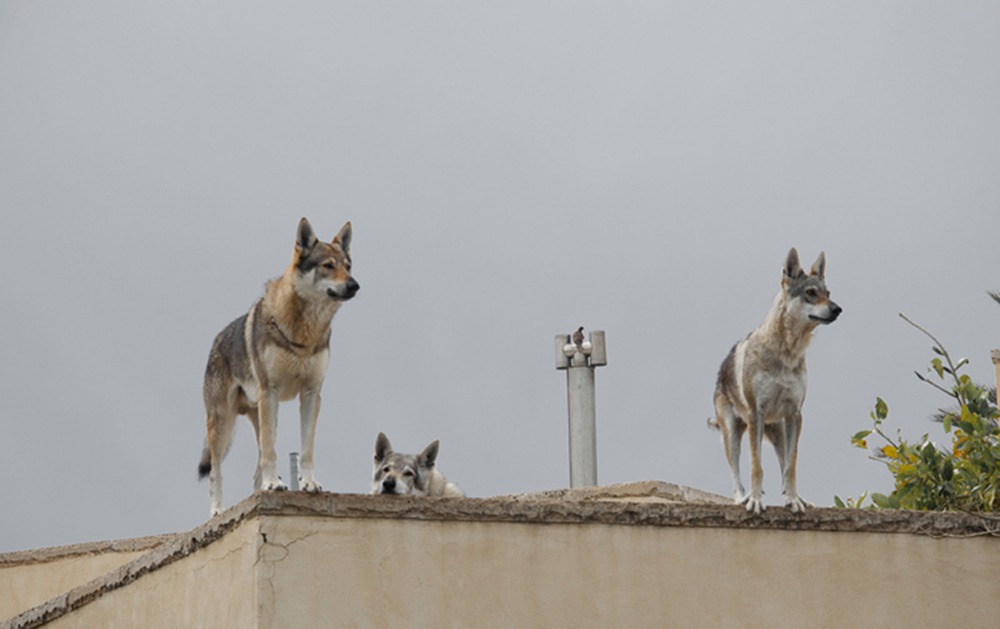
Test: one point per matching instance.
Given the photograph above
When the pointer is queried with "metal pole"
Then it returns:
(293, 463)
(579, 361)
(582, 423)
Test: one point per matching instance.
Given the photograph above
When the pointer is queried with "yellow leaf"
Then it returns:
(891, 452)
(907, 469)
(966, 414)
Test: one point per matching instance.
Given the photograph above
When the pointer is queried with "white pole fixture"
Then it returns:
(293, 463)
(579, 357)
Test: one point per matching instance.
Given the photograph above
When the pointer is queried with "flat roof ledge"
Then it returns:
(599, 506)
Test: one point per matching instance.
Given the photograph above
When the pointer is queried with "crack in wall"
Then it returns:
(269, 554)
(267, 547)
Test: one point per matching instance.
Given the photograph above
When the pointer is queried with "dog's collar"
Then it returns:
(284, 337)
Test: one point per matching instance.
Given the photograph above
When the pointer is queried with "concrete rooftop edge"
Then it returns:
(627, 506)
(536, 509)
(42, 555)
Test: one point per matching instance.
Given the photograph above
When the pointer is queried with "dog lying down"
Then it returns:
(409, 474)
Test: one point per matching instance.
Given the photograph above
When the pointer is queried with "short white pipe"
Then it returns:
(293, 462)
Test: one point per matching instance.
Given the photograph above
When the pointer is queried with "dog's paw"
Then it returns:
(310, 485)
(754, 503)
(797, 504)
(275, 484)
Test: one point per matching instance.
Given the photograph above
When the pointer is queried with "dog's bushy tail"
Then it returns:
(205, 465)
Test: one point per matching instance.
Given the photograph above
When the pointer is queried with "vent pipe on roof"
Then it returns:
(579, 357)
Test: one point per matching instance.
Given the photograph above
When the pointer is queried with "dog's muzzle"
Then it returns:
(835, 311)
(350, 290)
(389, 485)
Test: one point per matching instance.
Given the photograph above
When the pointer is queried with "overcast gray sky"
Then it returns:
(512, 171)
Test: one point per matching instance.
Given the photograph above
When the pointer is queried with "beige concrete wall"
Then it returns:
(213, 587)
(292, 559)
(386, 573)
(27, 585)
(29, 578)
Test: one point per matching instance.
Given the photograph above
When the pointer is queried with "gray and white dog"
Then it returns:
(409, 474)
(275, 352)
(762, 382)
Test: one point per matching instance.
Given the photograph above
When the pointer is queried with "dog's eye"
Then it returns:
(812, 293)
(408, 473)
(385, 470)
(329, 265)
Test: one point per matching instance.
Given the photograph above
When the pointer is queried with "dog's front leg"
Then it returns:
(755, 499)
(309, 402)
(254, 418)
(793, 426)
(267, 461)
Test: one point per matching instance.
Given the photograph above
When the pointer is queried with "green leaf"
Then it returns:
(929, 455)
(966, 414)
(884, 502)
(881, 408)
(947, 470)
(938, 367)
(839, 503)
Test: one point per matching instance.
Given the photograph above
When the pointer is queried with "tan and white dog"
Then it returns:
(409, 474)
(275, 352)
(762, 382)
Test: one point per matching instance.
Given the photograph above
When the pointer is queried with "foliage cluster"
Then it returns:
(962, 477)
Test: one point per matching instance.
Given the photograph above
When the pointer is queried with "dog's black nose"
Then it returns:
(836, 310)
(352, 287)
(389, 484)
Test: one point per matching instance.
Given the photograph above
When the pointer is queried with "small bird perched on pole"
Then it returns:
(578, 337)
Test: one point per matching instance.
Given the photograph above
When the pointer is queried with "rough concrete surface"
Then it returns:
(645, 504)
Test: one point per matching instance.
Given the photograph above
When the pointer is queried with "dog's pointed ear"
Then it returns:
(819, 266)
(382, 447)
(429, 455)
(306, 238)
(792, 267)
(344, 238)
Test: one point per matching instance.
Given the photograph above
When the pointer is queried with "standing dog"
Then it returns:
(278, 350)
(406, 474)
(762, 382)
